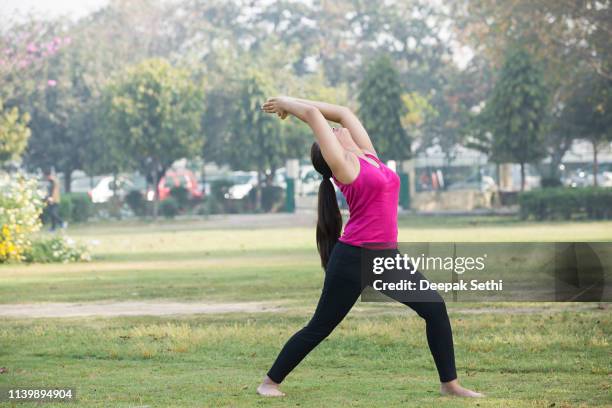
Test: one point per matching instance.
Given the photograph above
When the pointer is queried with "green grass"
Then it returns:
(377, 357)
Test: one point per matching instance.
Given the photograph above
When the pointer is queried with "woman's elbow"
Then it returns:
(346, 111)
(311, 113)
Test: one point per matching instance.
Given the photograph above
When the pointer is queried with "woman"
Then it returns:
(371, 189)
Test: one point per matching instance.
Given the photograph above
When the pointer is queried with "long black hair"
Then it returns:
(329, 219)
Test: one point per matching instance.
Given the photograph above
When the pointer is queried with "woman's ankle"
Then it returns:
(454, 388)
(450, 384)
(268, 381)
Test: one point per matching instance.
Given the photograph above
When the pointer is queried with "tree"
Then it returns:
(255, 141)
(560, 32)
(516, 112)
(588, 113)
(39, 76)
(59, 109)
(154, 117)
(568, 37)
(297, 135)
(381, 109)
(14, 134)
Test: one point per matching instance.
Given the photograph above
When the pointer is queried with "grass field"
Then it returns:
(521, 355)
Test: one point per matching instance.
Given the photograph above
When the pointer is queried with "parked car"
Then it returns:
(106, 187)
(178, 178)
(310, 180)
(584, 178)
(486, 183)
(244, 182)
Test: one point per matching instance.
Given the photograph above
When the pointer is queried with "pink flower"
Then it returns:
(52, 82)
(67, 40)
(32, 47)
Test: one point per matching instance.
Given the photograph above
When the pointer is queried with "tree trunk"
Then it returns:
(555, 161)
(115, 206)
(595, 164)
(522, 176)
(258, 190)
(203, 178)
(67, 180)
(498, 175)
(157, 176)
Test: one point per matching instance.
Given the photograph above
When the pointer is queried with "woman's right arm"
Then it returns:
(342, 165)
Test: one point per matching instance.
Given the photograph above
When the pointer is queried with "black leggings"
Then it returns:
(341, 288)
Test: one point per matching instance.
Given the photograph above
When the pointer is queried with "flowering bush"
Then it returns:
(58, 248)
(20, 206)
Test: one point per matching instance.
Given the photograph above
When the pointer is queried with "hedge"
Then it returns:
(76, 207)
(566, 203)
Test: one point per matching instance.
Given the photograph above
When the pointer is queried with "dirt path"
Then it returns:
(153, 308)
(166, 308)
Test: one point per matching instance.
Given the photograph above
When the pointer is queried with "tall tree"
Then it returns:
(461, 94)
(588, 114)
(517, 110)
(559, 32)
(381, 109)
(60, 124)
(154, 117)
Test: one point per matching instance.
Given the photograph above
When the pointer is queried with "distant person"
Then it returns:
(371, 189)
(53, 200)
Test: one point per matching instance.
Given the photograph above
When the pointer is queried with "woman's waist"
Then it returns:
(377, 224)
(357, 234)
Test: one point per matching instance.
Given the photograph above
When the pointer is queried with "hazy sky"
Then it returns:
(51, 8)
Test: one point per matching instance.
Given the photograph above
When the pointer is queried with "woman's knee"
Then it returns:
(432, 311)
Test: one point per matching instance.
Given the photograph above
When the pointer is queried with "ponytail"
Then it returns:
(329, 219)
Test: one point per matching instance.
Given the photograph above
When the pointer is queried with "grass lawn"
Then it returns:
(521, 355)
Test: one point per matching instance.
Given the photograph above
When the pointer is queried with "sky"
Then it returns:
(51, 8)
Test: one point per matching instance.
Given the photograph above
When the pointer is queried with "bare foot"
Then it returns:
(269, 388)
(453, 388)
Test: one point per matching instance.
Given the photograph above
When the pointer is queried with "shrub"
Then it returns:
(215, 202)
(21, 204)
(548, 182)
(58, 248)
(82, 207)
(169, 207)
(272, 198)
(565, 203)
(136, 201)
(75, 207)
(181, 195)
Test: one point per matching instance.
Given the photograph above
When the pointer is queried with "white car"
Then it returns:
(310, 180)
(102, 192)
(244, 182)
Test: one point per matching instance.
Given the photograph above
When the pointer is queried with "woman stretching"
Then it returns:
(371, 189)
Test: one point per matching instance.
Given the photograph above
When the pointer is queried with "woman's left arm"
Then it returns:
(346, 117)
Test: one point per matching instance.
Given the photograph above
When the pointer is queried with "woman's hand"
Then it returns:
(276, 105)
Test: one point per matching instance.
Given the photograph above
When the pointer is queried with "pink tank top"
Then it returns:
(372, 199)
